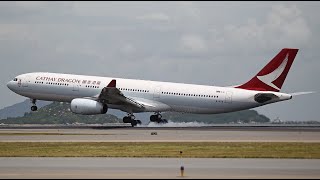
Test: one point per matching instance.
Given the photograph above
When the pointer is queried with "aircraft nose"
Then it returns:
(10, 85)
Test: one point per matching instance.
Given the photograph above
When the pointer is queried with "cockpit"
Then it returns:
(15, 79)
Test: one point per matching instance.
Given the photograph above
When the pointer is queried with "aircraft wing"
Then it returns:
(112, 95)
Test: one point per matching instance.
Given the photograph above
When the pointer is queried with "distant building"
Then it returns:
(277, 120)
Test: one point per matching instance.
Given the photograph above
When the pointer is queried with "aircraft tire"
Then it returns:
(34, 108)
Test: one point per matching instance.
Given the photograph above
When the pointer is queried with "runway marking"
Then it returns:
(67, 134)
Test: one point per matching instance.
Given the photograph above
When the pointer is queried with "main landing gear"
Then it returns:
(131, 119)
(34, 106)
(158, 119)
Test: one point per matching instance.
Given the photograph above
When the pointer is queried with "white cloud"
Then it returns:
(31, 5)
(284, 26)
(289, 22)
(154, 17)
(9, 31)
(193, 44)
(189, 10)
(128, 49)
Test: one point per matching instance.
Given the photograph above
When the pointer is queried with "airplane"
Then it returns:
(91, 95)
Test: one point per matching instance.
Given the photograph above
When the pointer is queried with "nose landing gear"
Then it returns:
(34, 106)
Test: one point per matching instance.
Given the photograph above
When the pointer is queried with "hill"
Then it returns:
(245, 116)
(59, 113)
(19, 109)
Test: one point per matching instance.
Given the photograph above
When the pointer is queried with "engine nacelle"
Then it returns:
(88, 107)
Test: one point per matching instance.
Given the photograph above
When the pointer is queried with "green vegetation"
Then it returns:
(59, 113)
(246, 116)
(162, 149)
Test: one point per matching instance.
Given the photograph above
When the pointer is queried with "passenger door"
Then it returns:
(157, 92)
(76, 87)
(228, 98)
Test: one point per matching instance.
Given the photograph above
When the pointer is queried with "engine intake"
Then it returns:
(88, 107)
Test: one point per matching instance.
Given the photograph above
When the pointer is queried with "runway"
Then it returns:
(157, 168)
(194, 134)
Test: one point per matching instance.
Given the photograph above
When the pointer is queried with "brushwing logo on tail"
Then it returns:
(269, 78)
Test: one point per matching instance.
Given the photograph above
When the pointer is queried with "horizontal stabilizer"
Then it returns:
(302, 93)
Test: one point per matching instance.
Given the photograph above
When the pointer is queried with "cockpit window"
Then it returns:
(15, 79)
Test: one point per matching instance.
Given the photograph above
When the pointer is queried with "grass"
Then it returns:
(162, 149)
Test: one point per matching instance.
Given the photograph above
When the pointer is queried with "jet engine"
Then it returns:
(88, 107)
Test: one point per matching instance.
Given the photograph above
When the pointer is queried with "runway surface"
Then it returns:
(162, 135)
(156, 168)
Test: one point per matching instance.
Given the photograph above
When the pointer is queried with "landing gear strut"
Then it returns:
(158, 119)
(131, 119)
(34, 106)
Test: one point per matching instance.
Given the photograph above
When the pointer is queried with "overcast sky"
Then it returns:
(209, 43)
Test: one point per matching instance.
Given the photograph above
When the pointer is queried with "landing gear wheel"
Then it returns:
(127, 119)
(34, 108)
(135, 122)
(158, 119)
(131, 119)
(153, 118)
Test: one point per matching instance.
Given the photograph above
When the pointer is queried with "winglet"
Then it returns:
(112, 83)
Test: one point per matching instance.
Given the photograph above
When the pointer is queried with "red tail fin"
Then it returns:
(272, 76)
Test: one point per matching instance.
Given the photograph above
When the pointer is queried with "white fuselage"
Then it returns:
(174, 96)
